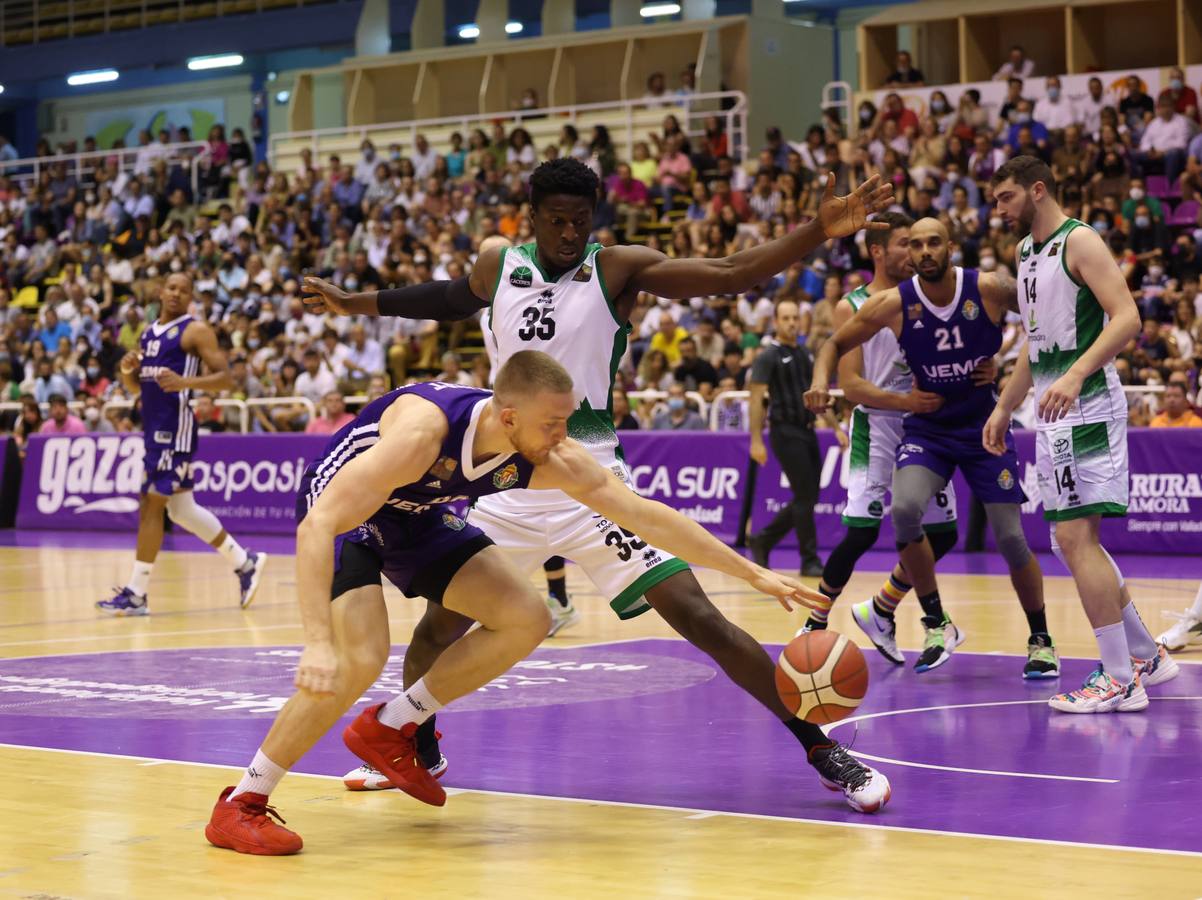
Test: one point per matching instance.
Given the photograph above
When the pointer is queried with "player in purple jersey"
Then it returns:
(165, 373)
(948, 321)
(375, 504)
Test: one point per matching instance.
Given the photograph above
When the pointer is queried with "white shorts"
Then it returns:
(1082, 470)
(874, 440)
(622, 566)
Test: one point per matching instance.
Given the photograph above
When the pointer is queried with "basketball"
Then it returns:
(821, 677)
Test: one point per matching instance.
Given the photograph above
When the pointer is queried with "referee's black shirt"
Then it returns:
(787, 371)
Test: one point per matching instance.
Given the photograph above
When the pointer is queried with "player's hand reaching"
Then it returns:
(170, 381)
(783, 588)
(841, 216)
(130, 363)
(319, 295)
(917, 401)
(993, 435)
(317, 671)
(985, 372)
(1060, 397)
(758, 451)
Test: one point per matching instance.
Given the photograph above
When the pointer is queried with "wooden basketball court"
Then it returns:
(618, 762)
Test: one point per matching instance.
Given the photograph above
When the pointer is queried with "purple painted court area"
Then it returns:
(652, 721)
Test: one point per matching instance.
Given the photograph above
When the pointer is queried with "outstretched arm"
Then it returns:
(881, 310)
(643, 269)
(572, 470)
(445, 301)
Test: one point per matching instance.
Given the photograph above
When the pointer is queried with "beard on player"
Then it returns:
(1026, 218)
(932, 268)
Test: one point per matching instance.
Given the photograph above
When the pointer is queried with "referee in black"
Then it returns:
(783, 369)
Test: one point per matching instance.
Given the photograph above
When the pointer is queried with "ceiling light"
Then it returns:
(221, 61)
(467, 32)
(514, 27)
(651, 10)
(97, 76)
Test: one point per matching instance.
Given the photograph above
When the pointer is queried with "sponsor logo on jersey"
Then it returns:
(876, 509)
(443, 469)
(1005, 480)
(1055, 249)
(453, 522)
(1060, 445)
(172, 333)
(914, 312)
(434, 484)
(370, 531)
(1032, 325)
(546, 295)
(970, 310)
(1073, 498)
(651, 557)
(163, 437)
(506, 477)
(584, 273)
(1026, 252)
(521, 277)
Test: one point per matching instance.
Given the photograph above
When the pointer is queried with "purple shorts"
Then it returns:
(167, 471)
(418, 552)
(993, 479)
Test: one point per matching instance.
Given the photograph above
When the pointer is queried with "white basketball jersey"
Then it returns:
(574, 321)
(1062, 319)
(884, 363)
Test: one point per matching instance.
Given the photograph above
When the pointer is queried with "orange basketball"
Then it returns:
(821, 677)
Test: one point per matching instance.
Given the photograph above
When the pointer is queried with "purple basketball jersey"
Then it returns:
(944, 344)
(167, 419)
(452, 479)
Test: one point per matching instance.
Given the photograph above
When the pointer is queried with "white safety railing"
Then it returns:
(654, 397)
(837, 95)
(28, 170)
(695, 107)
(242, 407)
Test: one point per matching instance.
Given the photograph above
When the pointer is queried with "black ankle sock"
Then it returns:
(1038, 621)
(808, 733)
(932, 606)
(559, 589)
(424, 736)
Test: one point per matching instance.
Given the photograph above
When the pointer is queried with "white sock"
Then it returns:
(415, 705)
(1139, 641)
(233, 552)
(260, 777)
(1116, 656)
(1196, 609)
(139, 578)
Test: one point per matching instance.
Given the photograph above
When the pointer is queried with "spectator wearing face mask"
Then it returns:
(1017, 64)
(95, 383)
(1163, 144)
(905, 73)
(1137, 196)
(1152, 289)
(678, 416)
(1186, 262)
(1183, 97)
(1055, 110)
(1024, 117)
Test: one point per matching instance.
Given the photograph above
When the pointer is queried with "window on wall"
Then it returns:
(592, 15)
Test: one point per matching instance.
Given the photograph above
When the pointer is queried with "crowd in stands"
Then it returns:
(81, 259)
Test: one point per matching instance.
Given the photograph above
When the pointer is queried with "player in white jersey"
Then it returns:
(876, 377)
(573, 300)
(1078, 315)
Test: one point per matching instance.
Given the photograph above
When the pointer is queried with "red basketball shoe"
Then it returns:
(244, 824)
(394, 754)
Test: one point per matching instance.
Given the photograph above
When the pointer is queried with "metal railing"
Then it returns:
(694, 107)
(28, 170)
(243, 407)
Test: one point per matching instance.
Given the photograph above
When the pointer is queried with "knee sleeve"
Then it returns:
(184, 511)
(843, 558)
(1008, 532)
(1056, 551)
(942, 541)
(913, 488)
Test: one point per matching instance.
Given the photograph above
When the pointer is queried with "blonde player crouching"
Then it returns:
(377, 502)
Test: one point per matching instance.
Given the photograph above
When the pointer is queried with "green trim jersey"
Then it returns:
(1062, 319)
(571, 319)
(884, 363)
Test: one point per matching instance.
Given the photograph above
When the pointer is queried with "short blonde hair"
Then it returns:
(526, 373)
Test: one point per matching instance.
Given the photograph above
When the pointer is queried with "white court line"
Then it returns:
(694, 812)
